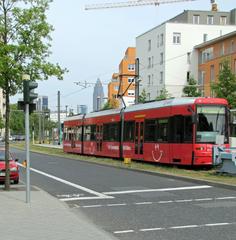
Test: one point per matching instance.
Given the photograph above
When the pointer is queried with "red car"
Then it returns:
(14, 169)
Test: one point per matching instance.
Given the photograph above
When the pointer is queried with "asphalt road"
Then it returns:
(136, 206)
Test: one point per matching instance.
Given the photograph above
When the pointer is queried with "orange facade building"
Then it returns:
(211, 54)
(124, 80)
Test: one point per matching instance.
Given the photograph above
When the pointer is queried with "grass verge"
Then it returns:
(208, 175)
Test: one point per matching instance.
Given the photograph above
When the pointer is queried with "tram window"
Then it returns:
(150, 130)
(178, 129)
(93, 133)
(70, 134)
(188, 129)
(111, 132)
(162, 130)
(89, 133)
(129, 131)
(78, 133)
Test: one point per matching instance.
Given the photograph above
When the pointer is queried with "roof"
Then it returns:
(215, 40)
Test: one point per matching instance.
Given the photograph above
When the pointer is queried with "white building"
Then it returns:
(166, 52)
(54, 116)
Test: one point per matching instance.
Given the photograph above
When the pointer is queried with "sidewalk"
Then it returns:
(44, 218)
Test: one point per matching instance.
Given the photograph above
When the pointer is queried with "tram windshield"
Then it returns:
(211, 123)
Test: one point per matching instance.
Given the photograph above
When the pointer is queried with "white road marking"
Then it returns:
(116, 204)
(160, 202)
(143, 203)
(84, 198)
(92, 206)
(203, 199)
(158, 190)
(216, 224)
(225, 198)
(76, 206)
(187, 226)
(150, 229)
(125, 231)
(166, 201)
(175, 227)
(183, 200)
(100, 195)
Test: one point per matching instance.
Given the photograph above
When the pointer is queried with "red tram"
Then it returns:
(174, 131)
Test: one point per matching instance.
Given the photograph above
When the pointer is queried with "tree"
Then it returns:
(143, 97)
(16, 120)
(191, 89)
(111, 104)
(24, 49)
(226, 85)
(163, 95)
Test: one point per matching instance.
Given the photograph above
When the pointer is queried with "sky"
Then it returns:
(91, 44)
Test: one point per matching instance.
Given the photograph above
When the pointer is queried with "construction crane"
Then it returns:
(132, 4)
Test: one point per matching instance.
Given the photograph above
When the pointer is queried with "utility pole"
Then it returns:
(136, 80)
(66, 109)
(58, 116)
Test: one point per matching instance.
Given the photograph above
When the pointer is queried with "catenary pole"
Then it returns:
(58, 116)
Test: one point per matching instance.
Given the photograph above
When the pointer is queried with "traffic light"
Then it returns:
(29, 94)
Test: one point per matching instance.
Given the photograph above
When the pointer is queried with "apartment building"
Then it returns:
(166, 53)
(211, 54)
(113, 86)
(123, 82)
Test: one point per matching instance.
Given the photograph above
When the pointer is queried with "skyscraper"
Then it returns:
(98, 96)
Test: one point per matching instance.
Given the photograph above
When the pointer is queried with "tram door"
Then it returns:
(139, 138)
(72, 137)
(99, 130)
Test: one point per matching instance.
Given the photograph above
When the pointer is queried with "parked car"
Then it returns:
(14, 169)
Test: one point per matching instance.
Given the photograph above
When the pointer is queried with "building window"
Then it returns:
(130, 93)
(116, 88)
(210, 19)
(201, 79)
(149, 45)
(222, 49)
(232, 46)
(220, 66)
(162, 39)
(149, 62)
(223, 20)
(189, 58)
(161, 78)
(161, 58)
(207, 54)
(205, 36)
(212, 73)
(196, 19)
(158, 41)
(152, 79)
(152, 61)
(130, 80)
(176, 38)
(131, 67)
(188, 76)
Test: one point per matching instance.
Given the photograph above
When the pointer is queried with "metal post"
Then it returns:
(58, 117)
(40, 128)
(136, 80)
(27, 153)
(43, 133)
